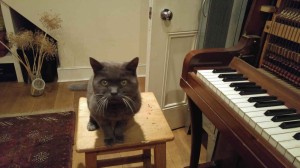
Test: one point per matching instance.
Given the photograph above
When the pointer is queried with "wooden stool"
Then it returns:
(148, 130)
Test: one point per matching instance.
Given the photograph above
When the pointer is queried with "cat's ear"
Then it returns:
(132, 65)
(96, 65)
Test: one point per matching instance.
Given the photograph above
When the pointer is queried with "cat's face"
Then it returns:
(115, 81)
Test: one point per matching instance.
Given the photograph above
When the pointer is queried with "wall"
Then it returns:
(111, 30)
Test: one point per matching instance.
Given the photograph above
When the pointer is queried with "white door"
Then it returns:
(170, 41)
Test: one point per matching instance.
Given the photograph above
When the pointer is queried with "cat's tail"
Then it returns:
(78, 87)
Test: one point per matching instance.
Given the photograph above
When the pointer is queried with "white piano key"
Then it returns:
(296, 162)
(273, 131)
(245, 98)
(238, 96)
(253, 109)
(291, 154)
(283, 137)
(227, 90)
(259, 127)
(244, 104)
(290, 144)
(255, 114)
(284, 145)
(220, 84)
(294, 152)
(263, 122)
(274, 139)
(262, 118)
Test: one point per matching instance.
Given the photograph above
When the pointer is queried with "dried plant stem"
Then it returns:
(20, 60)
(34, 70)
(25, 58)
(40, 60)
(41, 55)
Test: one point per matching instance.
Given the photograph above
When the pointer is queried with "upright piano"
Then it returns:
(250, 91)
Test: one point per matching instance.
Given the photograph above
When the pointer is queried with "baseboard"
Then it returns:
(84, 73)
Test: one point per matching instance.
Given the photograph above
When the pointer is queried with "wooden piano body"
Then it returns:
(268, 30)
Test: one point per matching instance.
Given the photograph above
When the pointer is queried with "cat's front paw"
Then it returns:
(119, 138)
(92, 127)
(109, 141)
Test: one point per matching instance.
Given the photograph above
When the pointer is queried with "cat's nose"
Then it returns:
(113, 91)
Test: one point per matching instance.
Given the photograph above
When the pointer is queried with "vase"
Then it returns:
(37, 87)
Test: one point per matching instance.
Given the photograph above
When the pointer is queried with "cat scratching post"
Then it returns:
(149, 130)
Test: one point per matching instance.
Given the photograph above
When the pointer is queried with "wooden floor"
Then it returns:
(15, 100)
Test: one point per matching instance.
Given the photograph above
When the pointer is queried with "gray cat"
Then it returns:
(113, 97)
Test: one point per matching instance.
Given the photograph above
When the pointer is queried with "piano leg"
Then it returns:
(224, 155)
(196, 133)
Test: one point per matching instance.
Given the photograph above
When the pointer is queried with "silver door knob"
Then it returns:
(166, 14)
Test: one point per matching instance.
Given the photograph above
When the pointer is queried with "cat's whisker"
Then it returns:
(105, 105)
(130, 101)
(102, 103)
(99, 94)
(127, 104)
(99, 100)
(99, 107)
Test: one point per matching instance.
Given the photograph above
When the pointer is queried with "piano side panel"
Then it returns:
(251, 146)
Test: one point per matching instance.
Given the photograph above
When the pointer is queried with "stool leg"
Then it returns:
(160, 155)
(91, 160)
(147, 158)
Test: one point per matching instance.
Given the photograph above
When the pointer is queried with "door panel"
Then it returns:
(170, 42)
(178, 45)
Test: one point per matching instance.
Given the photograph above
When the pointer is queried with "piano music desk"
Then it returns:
(149, 130)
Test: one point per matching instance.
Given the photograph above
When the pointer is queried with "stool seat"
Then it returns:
(148, 129)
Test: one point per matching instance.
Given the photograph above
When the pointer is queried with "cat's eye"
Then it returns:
(124, 82)
(104, 83)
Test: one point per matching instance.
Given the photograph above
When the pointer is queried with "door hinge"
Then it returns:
(150, 13)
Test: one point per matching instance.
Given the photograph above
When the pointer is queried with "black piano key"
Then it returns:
(230, 75)
(223, 70)
(240, 88)
(279, 112)
(234, 79)
(290, 124)
(237, 84)
(252, 91)
(268, 103)
(281, 118)
(297, 136)
(262, 98)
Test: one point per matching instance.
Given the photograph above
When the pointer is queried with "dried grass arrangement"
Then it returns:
(38, 42)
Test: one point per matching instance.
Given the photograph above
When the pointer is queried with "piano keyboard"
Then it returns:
(275, 122)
